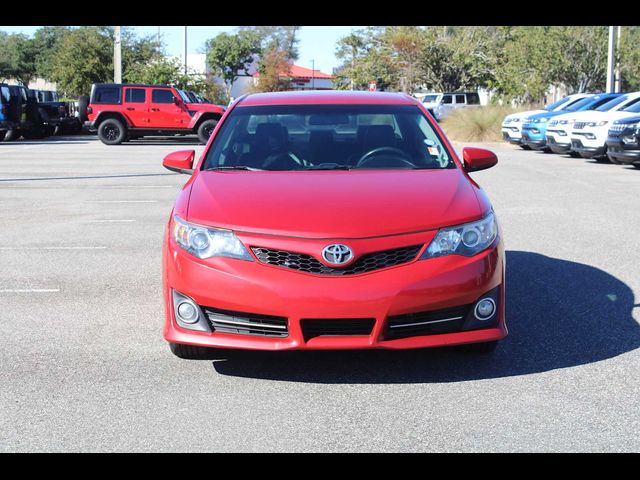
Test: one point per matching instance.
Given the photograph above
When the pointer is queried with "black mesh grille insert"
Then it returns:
(309, 264)
(312, 327)
(246, 323)
(426, 323)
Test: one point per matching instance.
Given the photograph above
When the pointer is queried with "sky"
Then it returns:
(316, 43)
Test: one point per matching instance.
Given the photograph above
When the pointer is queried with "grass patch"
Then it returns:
(480, 124)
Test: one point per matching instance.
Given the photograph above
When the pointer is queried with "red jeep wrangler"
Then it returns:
(121, 112)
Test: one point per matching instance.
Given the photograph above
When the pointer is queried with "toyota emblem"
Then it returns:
(337, 254)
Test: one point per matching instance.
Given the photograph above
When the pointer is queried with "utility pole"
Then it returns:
(313, 74)
(117, 57)
(611, 59)
(185, 50)
(617, 82)
(158, 38)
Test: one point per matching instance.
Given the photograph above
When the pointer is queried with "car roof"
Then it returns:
(130, 85)
(326, 97)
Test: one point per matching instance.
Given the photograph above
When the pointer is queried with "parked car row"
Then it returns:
(603, 126)
(34, 113)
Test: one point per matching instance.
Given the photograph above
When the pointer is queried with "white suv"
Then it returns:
(512, 124)
(439, 104)
(590, 129)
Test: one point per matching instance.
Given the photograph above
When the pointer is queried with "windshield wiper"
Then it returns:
(329, 167)
(234, 167)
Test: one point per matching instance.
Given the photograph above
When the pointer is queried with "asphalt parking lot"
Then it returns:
(85, 367)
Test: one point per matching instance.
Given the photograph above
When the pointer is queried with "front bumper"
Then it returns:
(627, 153)
(587, 151)
(556, 146)
(230, 285)
(534, 138)
(512, 134)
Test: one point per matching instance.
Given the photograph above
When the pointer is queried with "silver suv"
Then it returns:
(439, 104)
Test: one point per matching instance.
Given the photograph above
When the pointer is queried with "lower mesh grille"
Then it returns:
(226, 321)
(309, 264)
(312, 327)
(426, 323)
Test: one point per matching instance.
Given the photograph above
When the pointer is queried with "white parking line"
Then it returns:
(53, 248)
(29, 290)
(123, 201)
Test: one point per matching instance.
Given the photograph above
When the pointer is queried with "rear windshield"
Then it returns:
(325, 137)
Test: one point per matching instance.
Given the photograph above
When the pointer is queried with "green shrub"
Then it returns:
(480, 124)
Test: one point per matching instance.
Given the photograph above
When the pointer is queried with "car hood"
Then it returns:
(333, 204)
(204, 107)
(523, 115)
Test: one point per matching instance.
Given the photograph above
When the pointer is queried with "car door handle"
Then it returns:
(155, 109)
(130, 108)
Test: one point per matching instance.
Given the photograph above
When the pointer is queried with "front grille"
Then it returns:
(616, 130)
(426, 323)
(312, 327)
(309, 264)
(579, 125)
(226, 321)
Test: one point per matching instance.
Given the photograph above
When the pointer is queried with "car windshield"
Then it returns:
(327, 137)
(574, 107)
(555, 105)
(185, 97)
(635, 108)
(605, 107)
(430, 98)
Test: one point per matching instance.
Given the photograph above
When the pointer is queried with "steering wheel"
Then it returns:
(288, 158)
(371, 154)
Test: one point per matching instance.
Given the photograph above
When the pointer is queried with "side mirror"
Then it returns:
(478, 159)
(180, 161)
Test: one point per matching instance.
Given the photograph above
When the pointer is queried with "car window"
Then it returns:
(162, 96)
(430, 98)
(106, 95)
(473, 99)
(460, 99)
(447, 99)
(4, 93)
(135, 95)
(307, 137)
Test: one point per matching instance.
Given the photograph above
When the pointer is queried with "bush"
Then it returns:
(480, 124)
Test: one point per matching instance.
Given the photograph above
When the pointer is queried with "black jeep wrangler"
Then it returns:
(57, 116)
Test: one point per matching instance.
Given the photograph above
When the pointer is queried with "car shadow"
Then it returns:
(560, 314)
(192, 140)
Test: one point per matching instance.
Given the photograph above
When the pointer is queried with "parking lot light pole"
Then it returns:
(117, 57)
(616, 84)
(611, 59)
(185, 49)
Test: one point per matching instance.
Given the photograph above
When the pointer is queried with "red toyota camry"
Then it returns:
(331, 220)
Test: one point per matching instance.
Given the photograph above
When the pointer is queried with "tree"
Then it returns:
(47, 42)
(17, 58)
(366, 57)
(405, 45)
(229, 55)
(281, 38)
(85, 57)
(274, 71)
(629, 55)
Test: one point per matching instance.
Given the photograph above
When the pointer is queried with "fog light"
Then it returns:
(187, 312)
(485, 309)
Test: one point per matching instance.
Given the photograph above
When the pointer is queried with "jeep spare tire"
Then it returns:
(112, 132)
(83, 103)
(206, 129)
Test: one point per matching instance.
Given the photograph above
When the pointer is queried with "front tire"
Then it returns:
(205, 130)
(192, 352)
(112, 132)
(525, 147)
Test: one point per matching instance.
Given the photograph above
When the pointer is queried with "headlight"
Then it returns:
(632, 125)
(541, 120)
(468, 239)
(596, 124)
(205, 242)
